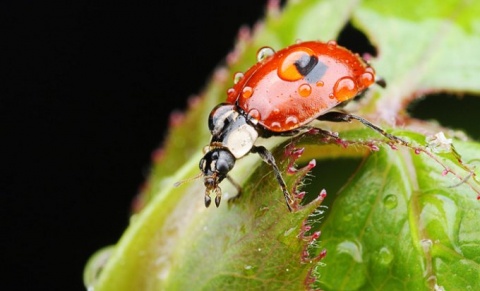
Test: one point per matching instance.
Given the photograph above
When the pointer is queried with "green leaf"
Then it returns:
(406, 218)
(400, 224)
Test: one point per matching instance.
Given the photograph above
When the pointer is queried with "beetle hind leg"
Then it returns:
(336, 116)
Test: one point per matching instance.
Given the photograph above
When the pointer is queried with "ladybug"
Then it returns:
(279, 96)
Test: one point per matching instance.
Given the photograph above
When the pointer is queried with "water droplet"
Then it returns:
(291, 120)
(367, 79)
(249, 270)
(237, 77)
(275, 125)
(95, 266)
(385, 256)
(320, 84)
(438, 143)
(254, 114)
(231, 92)
(345, 89)
(351, 255)
(352, 249)
(390, 201)
(331, 44)
(370, 70)
(264, 53)
(247, 92)
(276, 110)
(426, 244)
(304, 90)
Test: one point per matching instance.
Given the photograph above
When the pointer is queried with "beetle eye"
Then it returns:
(225, 162)
(222, 166)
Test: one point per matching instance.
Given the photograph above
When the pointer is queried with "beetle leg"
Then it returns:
(237, 186)
(336, 116)
(268, 158)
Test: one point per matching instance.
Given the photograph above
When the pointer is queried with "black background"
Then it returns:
(86, 91)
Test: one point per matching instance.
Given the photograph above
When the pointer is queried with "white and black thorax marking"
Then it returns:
(230, 130)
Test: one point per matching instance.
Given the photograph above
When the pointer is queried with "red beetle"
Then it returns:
(279, 96)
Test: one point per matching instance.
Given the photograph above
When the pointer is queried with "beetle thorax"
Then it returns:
(231, 130)
(240, 140)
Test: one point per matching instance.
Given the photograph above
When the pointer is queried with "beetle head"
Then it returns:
(215, 165)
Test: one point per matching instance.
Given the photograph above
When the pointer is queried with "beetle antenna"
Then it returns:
(187, 180)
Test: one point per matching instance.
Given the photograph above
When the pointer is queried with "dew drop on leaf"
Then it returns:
(385, 256)
(390, 201)
(350, 253)
(249, 270)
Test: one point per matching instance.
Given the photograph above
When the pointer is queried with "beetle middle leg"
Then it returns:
(268, 158)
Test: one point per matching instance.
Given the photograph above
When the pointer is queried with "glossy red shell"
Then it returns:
(281, 98)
